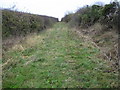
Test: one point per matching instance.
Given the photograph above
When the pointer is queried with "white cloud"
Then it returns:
(55, 8)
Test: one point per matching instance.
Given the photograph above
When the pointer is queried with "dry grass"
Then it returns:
(105, 39)
(28, 42)
(33, 40)
(18, 47)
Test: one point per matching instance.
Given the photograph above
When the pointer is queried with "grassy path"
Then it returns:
(56, 58)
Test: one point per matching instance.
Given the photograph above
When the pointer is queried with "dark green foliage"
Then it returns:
(96, 12)
(19, 23)
(85, 16)
(89, 15)
(109, 8)
(110, 15)
(67, 18)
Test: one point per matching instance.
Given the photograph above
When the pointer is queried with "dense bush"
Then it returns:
(109, 8)
(89, 15)
(19, 23)
(67, 18)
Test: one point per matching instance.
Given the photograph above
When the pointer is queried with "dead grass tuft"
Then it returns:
(33, 40)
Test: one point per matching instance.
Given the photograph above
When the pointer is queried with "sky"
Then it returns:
(54, 8)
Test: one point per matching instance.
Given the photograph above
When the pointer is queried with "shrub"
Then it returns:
(109, 8)
(19, 23)
(67, 18)
(89, 15)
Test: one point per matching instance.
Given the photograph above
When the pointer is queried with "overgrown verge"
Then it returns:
(100, 23)
(89, 15)
(16, 25)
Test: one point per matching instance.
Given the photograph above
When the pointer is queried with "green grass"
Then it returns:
(59, 59)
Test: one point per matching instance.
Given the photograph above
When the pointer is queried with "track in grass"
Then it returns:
(56, 58)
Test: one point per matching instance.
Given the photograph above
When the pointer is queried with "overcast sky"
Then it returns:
(55, 8)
